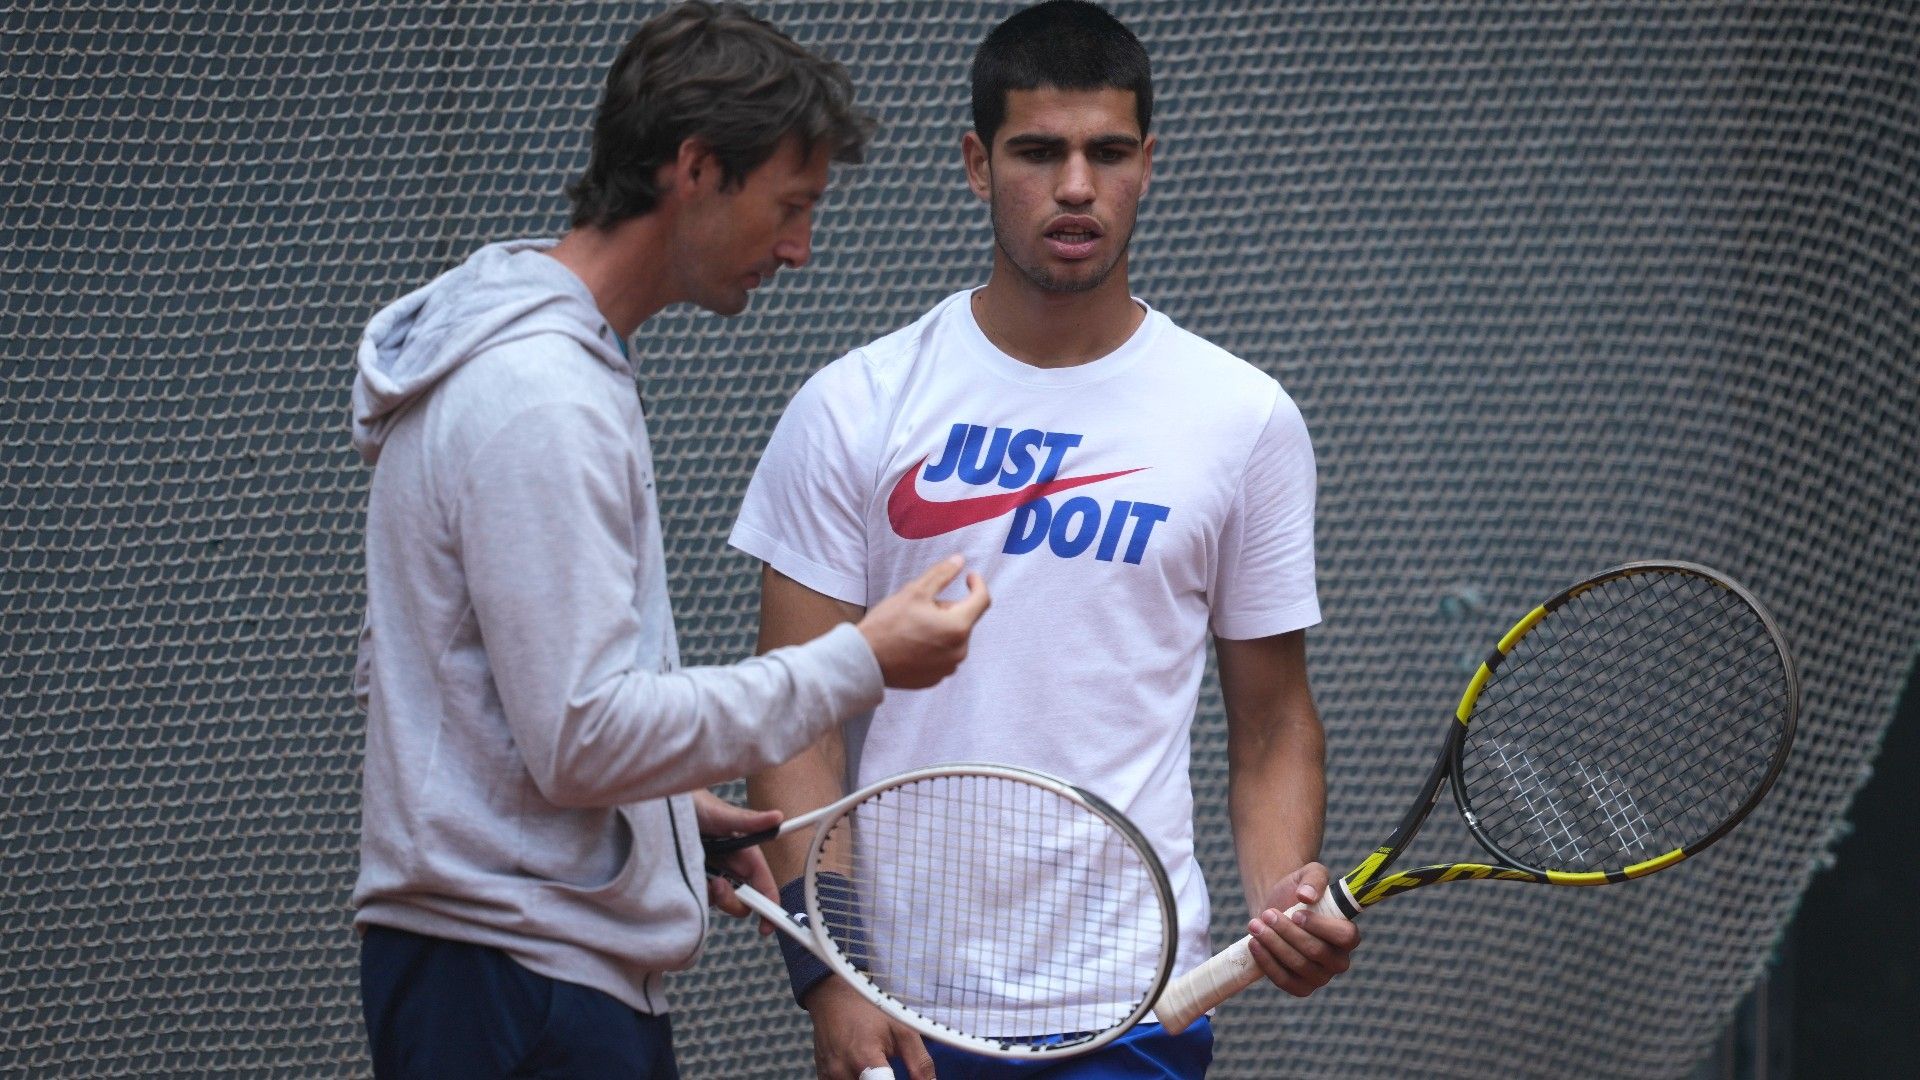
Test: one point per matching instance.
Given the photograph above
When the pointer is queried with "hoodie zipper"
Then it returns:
(680, 856)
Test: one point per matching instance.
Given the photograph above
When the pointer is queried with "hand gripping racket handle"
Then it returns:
(1228, 972)
(782, 918)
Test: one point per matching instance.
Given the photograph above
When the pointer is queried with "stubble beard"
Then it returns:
(1043, 278)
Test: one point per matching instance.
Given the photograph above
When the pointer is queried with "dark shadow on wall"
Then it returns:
(1843, 995)
(1855, 968)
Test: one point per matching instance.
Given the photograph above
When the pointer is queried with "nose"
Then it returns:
(796, 247)
(1074, 185)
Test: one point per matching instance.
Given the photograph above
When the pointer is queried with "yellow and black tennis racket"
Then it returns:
(1617, 729)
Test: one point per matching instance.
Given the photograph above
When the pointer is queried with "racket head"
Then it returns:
(996, 909)
(1624, 725)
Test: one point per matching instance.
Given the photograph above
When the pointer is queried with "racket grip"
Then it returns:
(1225, 974)
(878, 1072)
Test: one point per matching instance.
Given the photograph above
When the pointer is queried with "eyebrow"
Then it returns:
(1055, 142)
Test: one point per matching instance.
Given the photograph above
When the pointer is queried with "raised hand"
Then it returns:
(919, 639)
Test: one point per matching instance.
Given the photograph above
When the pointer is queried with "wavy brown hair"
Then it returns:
(719, 74)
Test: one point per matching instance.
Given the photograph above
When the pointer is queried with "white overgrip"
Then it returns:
(1225, 974)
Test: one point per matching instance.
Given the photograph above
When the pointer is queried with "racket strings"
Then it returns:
(1696, 697)
(1585, 698)
(1608, 790)
(1633, 720)
(1615, 697)
(1614, 692)
(996, 907)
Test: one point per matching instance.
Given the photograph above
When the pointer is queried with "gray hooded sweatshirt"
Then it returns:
(529, 728)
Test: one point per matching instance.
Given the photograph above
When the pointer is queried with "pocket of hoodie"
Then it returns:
(628, 860)
(673, 892)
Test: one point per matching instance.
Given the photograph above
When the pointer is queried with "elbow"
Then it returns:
(568, 778)
(562, 788)
(596, 757)
(571, 751)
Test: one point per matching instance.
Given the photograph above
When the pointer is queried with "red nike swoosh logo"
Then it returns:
(915, 518)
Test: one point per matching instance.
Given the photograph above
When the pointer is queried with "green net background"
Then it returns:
(1556, 286)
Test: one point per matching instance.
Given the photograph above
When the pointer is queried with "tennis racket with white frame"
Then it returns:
(995, 909)
(1617, 729)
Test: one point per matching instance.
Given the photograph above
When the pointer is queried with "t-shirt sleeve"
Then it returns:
(1263, 583)
(805, 508)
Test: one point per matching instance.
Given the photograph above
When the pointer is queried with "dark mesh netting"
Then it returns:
(1556, 286)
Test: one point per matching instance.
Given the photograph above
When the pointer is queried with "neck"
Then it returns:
(1055, 329)
(625, 268)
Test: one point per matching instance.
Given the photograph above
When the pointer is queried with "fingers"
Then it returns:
(718, 817)
(1299, 950)
(973, 605)
(749, 866)
(738, 820)
(853, 1040)
(1336, 930)
(936, 577)
(1313, 879)
(917, 639)
(1282, 964)
(720, 894)
(912, 1053)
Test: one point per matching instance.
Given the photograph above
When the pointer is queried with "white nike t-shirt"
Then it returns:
(1119, 510)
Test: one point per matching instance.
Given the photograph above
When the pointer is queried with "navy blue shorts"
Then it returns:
(437, 1009)
(1145, 1053)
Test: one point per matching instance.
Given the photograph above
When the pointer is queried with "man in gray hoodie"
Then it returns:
(530, 860)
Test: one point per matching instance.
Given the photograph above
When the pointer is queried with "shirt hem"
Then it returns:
(1267, 624)
(820, 579)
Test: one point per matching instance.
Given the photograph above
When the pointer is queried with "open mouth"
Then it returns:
(1072, 239)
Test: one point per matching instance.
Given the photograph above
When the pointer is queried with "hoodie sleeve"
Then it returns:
(546, 536)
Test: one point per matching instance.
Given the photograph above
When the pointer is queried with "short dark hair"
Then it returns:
(716, 73)
(1064, 44)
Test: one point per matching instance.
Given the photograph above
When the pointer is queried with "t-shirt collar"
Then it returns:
(983, 351)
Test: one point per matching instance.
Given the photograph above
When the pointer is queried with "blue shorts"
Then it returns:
(1145, 1053)
(440, 1009)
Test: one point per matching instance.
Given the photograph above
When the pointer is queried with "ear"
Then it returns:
(1146, 158)
(693, 170)
(973, 153)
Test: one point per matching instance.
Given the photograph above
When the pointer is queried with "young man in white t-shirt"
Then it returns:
(1127, 488)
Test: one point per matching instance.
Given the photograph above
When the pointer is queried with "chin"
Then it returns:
(725, 305)
(1074, 279)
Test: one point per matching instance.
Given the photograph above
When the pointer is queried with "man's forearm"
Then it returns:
(808, 782)
(1278, 808)
(1275, 759)
(792, 613)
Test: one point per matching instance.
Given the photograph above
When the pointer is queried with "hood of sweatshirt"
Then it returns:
(502, 293)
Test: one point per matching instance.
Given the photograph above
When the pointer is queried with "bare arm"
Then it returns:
(791, 613)
(849, 1035)
(1277, 791)
(1276, 762)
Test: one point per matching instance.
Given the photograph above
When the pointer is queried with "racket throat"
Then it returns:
(1342, 896)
